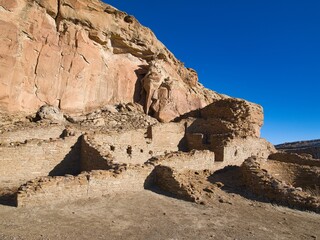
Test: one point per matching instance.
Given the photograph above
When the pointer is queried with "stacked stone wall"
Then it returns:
(262, 183)
(91, 157)
(35, 158)
(25, 133)
(97, 183)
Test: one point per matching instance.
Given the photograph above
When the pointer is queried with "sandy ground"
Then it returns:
(149, 215)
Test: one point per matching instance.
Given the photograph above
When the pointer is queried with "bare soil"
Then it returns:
(150, 215)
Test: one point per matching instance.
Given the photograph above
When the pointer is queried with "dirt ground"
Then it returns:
(149, 215)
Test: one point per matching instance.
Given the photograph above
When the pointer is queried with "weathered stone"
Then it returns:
(50, 113)
(265, 178)
(80, 55)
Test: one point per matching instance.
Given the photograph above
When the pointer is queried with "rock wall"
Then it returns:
(137, 146)
(230, 128)
(262, 183)
(21, 134)
(173, 182)
(98, 183)
(92, 158)
(36, 158)
(304, 176)
(98, 55)
(194, 160)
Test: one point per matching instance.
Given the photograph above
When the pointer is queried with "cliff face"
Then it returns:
(80, 55)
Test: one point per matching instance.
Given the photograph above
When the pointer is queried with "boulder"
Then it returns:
(50, 113)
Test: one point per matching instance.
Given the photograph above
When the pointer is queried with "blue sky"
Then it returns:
(265, 51)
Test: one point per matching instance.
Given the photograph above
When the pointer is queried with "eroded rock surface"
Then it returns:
(80, 55)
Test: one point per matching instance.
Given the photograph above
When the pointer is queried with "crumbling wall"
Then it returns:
(92, 158)
(22, 162)
(174, 182)
(232, 150)
(298, 175)
(230, 128)
(35, 132)
(262, 183)
(194, 160)
(126, 147)
(97, 183)
(237, 150)
(137, 146)
(168, 136)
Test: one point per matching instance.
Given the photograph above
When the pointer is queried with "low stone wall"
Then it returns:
(298, 175)
(294, 158)
(174, 182)
(194, 160)
(262, 183)
(36, 132)
(97, 183)
(20, 163)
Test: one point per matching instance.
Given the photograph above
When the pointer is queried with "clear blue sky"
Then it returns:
(265, 51)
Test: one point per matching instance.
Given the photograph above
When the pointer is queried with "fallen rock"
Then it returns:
(51, 113)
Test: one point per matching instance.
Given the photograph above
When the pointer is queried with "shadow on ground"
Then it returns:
(8, 197)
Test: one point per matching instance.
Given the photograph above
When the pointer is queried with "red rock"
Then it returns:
(81, 55)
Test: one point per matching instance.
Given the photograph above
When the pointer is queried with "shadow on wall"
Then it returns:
(150, 184)
(139, 93)
(230, 180)
(71, 164)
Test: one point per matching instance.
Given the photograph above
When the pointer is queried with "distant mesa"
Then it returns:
(311, 147)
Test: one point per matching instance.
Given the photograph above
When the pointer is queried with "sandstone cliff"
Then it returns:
(80, 55)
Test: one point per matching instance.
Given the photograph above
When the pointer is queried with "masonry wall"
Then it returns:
(260, 182)
(239, 149)
(298, 175)
(35, 158)
(91, 157)
(53, 190)
(168, 136)
(233, 150)
(194, 160)
(137, 146)
(36, 132)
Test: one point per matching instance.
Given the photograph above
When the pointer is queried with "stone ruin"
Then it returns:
(118, 112)
(55, 162)
(285, 178)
